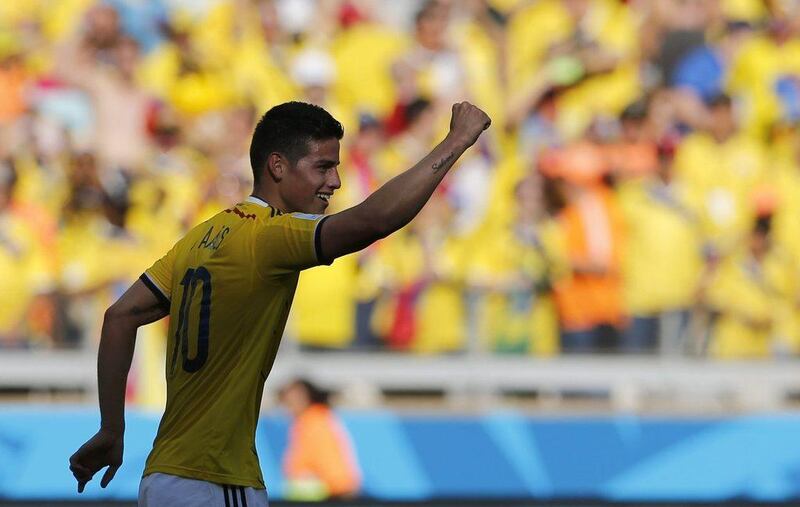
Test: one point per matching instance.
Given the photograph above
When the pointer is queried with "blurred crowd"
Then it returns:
(638, 192)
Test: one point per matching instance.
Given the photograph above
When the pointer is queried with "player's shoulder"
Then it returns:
(222, 218)
(308, 217)
(295, 222)
(253, 210)
(276, 219)
(259, 216)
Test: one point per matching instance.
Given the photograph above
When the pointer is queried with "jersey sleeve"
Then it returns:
(291, 243)
(158, 278)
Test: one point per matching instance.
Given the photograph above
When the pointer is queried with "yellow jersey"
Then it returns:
(228, 285)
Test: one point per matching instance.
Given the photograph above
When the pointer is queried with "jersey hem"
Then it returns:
(203, 475)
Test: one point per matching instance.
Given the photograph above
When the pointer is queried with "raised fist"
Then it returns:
(468, 122)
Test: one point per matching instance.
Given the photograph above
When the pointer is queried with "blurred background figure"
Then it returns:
(319, 463)
(753, 295)
(515, 310)
(589, 299)
(660, 281)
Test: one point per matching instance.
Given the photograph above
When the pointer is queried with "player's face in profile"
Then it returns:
(313, 179)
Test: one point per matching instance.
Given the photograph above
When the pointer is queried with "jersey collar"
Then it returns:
(257, 200)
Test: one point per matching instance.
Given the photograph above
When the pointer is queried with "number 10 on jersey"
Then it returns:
(193, 278)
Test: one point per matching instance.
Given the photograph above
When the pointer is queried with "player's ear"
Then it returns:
(277, 165)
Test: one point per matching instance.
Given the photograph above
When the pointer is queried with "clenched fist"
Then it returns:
(468, 122)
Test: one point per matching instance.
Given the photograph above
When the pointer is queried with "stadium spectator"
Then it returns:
(762, 67)
(12, 83)
(589, 300)
(662, 258)
(26, 306)
(753, 292)
(671, 30)
(634, 154)
(104, 65)
(587, 51)
(435, 65)
(424, 270)
(320, 462)
(517, 312)
(706, 68)
(721, 165)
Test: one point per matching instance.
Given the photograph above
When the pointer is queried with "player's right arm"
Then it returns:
(137, 307)
(397, 202)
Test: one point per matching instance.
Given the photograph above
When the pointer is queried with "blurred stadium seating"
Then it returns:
(636, 194)
(627, 235)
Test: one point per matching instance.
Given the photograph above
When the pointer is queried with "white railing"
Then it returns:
(628, 383)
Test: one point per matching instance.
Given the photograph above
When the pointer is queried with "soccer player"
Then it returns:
(227, 287)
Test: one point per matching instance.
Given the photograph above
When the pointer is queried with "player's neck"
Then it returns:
(269, 197)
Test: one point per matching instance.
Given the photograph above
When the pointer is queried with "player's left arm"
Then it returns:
(137, 307)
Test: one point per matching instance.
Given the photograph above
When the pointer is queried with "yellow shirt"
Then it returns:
(758, 65)
(539, 26)
(23, 266)
(755, 303)
(720, 178)
(438, 314)
(662, 256)
(229, 284)
(363, 56)
(517, 313)
(324, 308)
(786, 223)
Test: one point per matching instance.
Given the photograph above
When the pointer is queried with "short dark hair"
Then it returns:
(287, 128)
(719, 100)
(763, 225)
(316, 395)
(425, 9)
(415, 109)
(635, 111)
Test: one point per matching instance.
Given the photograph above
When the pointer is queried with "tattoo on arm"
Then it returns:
(443, 162)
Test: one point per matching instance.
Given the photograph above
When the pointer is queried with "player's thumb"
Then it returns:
(112, 470)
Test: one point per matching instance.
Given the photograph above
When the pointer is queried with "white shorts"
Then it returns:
(163, 490)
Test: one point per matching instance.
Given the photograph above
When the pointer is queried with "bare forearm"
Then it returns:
(113, 364)
(137, 307)
(397, 202)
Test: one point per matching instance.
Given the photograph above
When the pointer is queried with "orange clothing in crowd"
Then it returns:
(320, 448)
(592, 229)
(12, 83)
(632, 159)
